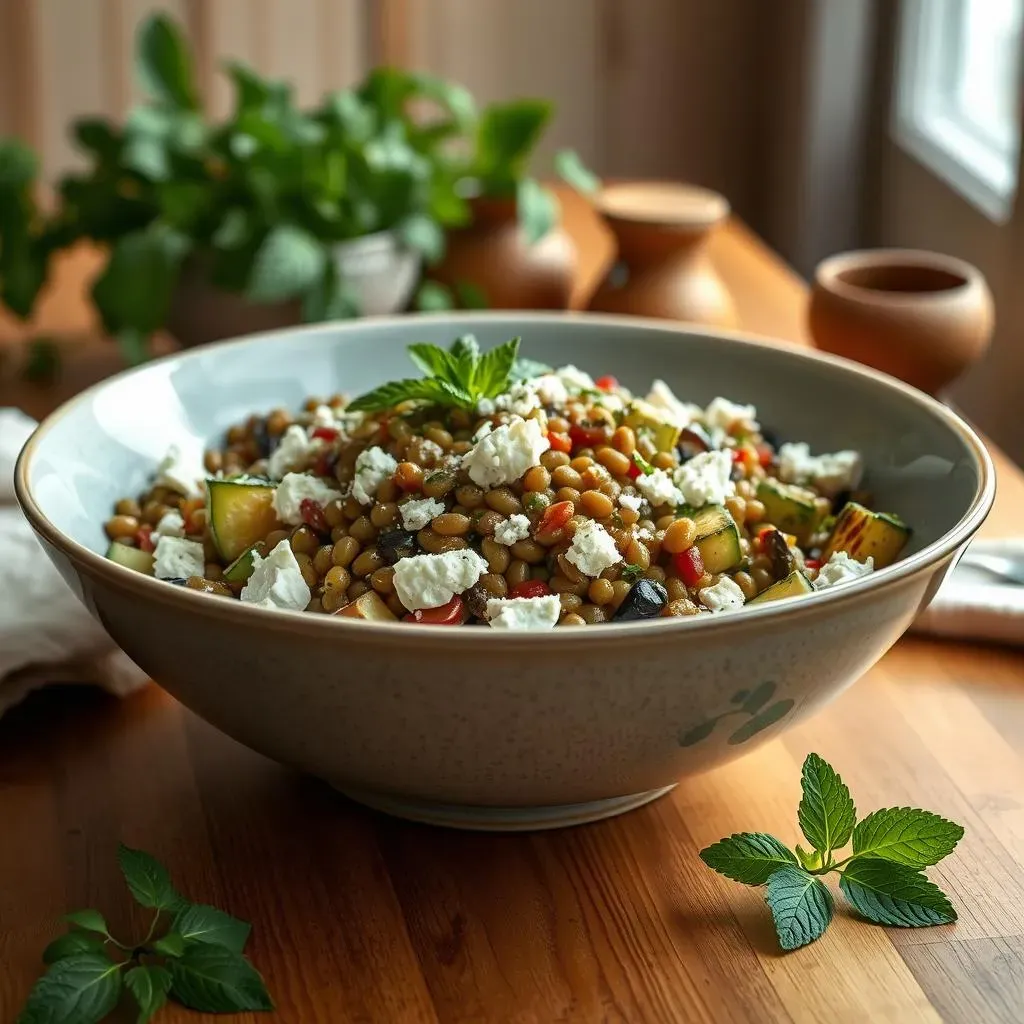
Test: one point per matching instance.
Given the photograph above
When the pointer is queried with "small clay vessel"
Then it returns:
(920, 316)
(663, 269)
(493, 254)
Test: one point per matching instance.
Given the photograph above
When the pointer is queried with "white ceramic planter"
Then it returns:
(381, 271)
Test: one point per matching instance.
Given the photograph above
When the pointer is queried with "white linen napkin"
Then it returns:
(46, 635)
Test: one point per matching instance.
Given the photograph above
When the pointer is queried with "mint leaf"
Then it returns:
(466, 353)
(171, 944)
(493, 370)
(200, 923)
(895, 894)
(147, 879)
(149, 985)
(165, 65)
(434, 361)
(71, 944)
(289, 262)
(826, 812)
(808, 861)
(433, 390)
(80, 989)
(747, 857)
(217, 980)
(571, 170)
(537, 209)
(906, 835)
(90, 920)
(801, 906)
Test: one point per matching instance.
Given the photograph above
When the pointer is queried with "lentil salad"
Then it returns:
(499, 491)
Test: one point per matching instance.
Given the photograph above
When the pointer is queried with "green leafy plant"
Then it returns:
(197, 960)
(882, 877)
(458, 377)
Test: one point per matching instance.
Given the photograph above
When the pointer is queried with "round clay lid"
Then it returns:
(663, 202)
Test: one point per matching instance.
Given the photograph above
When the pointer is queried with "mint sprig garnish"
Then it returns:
(196, 960)
(882, 877)
(458, 377)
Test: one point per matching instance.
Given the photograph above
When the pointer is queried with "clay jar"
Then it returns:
(663, 269)
(493, 254)
(920, 316)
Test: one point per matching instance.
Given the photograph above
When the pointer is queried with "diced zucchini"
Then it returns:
(131, 558)
(642, 415)
(370, 607)
(241, 568)
(862, 533)
(792, 509)
(718, 539)
(240, 513)
(795, 584)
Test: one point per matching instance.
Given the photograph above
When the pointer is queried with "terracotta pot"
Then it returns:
(663, 269)
(919, 316)
(492, 254)
(381, 271)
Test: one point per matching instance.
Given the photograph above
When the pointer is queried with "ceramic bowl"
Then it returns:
(471, 727)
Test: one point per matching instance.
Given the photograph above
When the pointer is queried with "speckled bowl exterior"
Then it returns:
(479, 728)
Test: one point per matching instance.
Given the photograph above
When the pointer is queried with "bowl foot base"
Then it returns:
(502, 819)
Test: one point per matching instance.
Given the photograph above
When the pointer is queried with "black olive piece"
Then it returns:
(178, 581)
(265, 444)
(645, 599)
(396, 544)
(693, 440)
(781, 558)
(840, 500)
(770, 437)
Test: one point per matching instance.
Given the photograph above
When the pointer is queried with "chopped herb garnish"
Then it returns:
(458, 378)
(685, 511)
(642, 464)
(631, 573)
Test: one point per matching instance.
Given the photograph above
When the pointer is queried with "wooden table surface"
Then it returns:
(358, 917)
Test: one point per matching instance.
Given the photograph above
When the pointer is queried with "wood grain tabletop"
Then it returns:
(358, 917)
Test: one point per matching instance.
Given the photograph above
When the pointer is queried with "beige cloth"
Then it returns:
(46, 635)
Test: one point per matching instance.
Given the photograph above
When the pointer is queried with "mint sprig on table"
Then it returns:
(882, 877)
(196, 959)
(458, 377)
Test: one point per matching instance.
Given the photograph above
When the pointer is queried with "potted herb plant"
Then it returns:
(512, 254)
(274, 216)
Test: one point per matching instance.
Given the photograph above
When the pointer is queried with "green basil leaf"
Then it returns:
(165, 64)
(149, 985)
(571, 170)
(747, 857)
(80, 989)
(906, 835)
(289, 262)
(90, 920)
(826, 812)
(217, 980)
(200, 923)
(801, 906)
(895, 894)
(70, 945)
(147, 879)
(494, 368)
(537, 209)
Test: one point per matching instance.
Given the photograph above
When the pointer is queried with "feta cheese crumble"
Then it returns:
(514, 529)
(706, 479)
(658, 488)
(419, 512)
(429, 581)
(631, 501)
(524, 612)
(506, 453)
(680, 413)
(575, 380)
(276, 581)
(722, 414)
(323, 416)
(296, 488)
(486, 407)
(724, 596)
(830, 472)
(171, 525)
(181, 470)
(176, 558)
(841, 568)
(520, 400)
(373, 467)
(551, 389)
(593, 549)
(293, 452)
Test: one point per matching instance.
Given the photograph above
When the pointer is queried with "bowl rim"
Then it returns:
(355, 632)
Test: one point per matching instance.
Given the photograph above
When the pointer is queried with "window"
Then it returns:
(957, 106)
